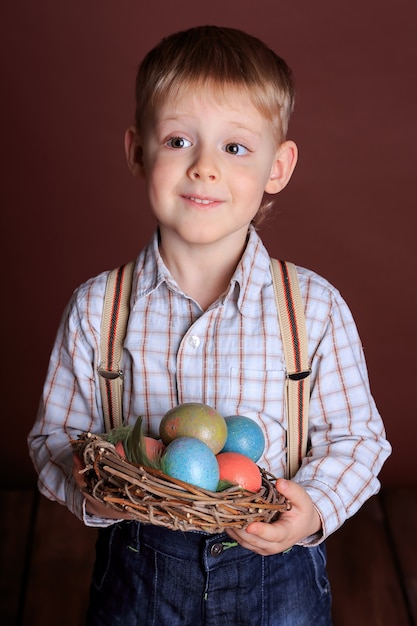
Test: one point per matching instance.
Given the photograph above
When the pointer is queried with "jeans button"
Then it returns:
(216, 549)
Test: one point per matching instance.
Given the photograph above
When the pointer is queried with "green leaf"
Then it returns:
(224, 484)
(135, 447)
(117, 434)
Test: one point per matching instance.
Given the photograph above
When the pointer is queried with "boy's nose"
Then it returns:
(204, 168)
(203, 176)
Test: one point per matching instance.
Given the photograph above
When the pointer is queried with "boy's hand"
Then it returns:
(93, 506)
(301, 521)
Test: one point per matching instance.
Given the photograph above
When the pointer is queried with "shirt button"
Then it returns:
(216, 549)
(194, 341)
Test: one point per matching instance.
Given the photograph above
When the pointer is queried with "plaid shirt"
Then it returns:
(230, 357)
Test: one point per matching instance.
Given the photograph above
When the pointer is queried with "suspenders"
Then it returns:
(113, 330)
(294, 338)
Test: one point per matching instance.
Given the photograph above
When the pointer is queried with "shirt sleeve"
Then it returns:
(347, 443)
(69, 403)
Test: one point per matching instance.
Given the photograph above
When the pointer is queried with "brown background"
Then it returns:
(71, 209)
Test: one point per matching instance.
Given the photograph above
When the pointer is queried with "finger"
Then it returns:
(259, 534)
(292, 491)
(272, 533)
(258, 544)
(288, 488)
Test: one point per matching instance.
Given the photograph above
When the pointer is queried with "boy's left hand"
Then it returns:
(301, 521)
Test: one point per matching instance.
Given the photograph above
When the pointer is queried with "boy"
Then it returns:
(212, 110)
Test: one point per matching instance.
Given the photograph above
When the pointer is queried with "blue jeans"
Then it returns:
(147, 575)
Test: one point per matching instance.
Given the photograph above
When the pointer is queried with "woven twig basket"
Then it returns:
(152, 497)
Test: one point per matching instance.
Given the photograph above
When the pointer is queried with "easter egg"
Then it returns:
(154, 448)
(240, 470)
(194, 419)
(191, 460)
(245, 436)
(120, 449)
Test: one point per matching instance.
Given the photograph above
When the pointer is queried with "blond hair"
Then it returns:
(218, 58)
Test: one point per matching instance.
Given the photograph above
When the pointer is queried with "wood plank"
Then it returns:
(400, 504)
(15, 526)
(60, 573)
(366, 590)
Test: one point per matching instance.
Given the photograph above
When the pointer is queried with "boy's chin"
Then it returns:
(208, 235)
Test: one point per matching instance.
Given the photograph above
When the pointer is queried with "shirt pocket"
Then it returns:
(258, 391)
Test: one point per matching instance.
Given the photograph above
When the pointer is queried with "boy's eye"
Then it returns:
(235, 148)
(178, 142)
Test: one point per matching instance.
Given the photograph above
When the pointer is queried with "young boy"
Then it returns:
(212, 110)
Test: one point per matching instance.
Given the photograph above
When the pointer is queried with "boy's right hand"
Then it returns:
(93, 506)
(295, 525)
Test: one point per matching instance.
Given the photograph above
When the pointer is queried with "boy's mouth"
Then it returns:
(202, 200)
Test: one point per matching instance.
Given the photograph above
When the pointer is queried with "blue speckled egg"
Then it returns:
(245, 436)
(191, 460)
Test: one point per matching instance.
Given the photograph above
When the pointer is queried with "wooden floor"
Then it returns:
(46, 557)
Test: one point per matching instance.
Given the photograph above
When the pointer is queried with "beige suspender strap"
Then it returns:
(113, 329)
(294, 339)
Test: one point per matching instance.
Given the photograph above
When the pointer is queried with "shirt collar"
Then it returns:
(250, 276)
(252, 273)
(150, 270)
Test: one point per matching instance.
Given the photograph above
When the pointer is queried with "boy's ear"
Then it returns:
(134, 152)
(285, 162)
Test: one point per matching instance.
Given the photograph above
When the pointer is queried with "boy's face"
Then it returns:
(207, 161)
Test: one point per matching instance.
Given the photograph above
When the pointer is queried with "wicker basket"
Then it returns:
(152, 497)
